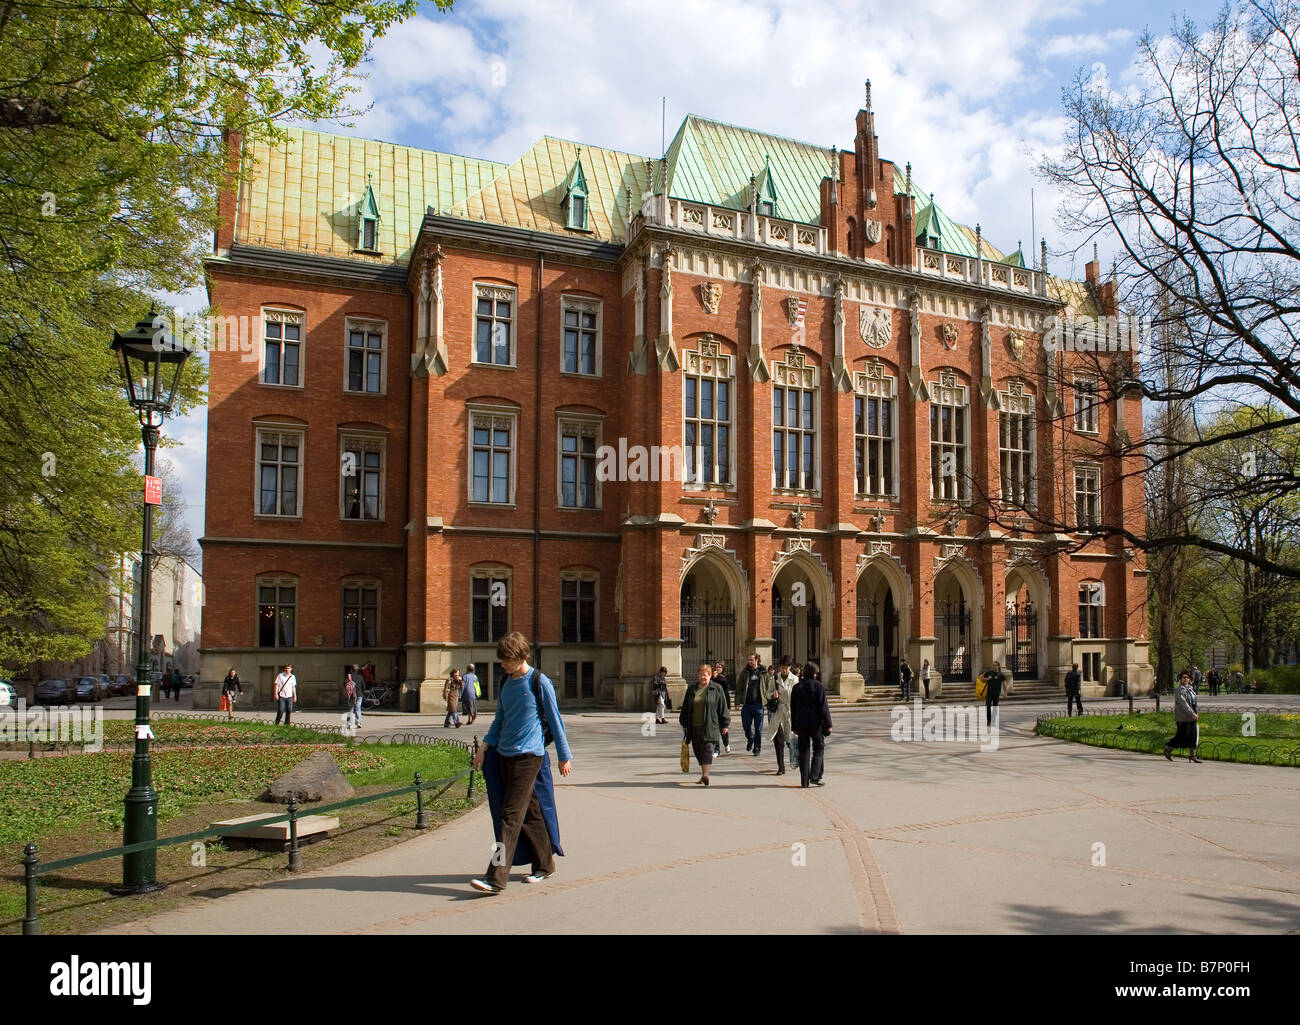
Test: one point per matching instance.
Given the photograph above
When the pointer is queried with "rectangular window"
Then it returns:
(365, 358)
(581, 336)
(491, 458)
(277, 471)
(282, 342)
(494, 321)
(580, 681)
(489, 605)
(369, 237)
(873, 444)
(1085, 404)
(1090, 606)
(949, 477)
(362, 478)
(276, 607)
(794, 439)
(360, 615)
(1016, 454)
(578, 611)
(707, 415)
(578, 466)
(1091, 667)
(1087, 496)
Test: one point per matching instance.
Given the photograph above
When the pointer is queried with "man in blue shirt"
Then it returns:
(516, 736)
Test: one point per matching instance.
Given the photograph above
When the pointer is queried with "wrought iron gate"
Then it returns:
(874, 633)
(708, 634)
(782, 629)
(1022, 640)
(952, 631)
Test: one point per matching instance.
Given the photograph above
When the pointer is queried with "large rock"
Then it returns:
(317, 778)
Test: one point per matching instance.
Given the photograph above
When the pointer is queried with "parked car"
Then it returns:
(105, 685)
(89, 689)
(8, 694)
(55, 692)
(123, 685)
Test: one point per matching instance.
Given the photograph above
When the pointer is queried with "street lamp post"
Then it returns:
(151, 369)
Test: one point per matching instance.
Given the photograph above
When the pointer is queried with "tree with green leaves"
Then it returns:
(111, 157)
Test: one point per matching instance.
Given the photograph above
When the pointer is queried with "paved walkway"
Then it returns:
(905, 837)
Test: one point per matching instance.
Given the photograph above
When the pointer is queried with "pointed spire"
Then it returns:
(1094, 252)
(907, 199)
(1044, 259)
(1114, 272)
(868, 107)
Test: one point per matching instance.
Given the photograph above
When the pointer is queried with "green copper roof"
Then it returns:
(929, 217)
(712, 162)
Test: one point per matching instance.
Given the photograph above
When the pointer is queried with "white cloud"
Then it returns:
(1087, 43)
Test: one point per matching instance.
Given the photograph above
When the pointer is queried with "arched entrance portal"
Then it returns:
(708, 618)
(797, 616)
(1026, 603)
(878, 629)
(955, 628)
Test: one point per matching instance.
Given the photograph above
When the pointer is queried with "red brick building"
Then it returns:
(440, 424)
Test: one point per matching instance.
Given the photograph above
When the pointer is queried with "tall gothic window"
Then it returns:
(949, 440)
(707, 414)
(875, 431)
(1016, 447)
(794, 423)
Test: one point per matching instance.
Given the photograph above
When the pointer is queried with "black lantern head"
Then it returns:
(152, 360)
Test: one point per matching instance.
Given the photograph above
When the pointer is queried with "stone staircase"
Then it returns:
(953, 694)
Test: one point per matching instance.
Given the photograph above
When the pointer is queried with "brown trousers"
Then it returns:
(520, 813)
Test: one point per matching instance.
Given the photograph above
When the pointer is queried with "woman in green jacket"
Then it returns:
(704, 716)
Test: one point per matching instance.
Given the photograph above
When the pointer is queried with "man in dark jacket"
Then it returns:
(810, 716)
(1073, 690)
(905, 678)
(753, 688)
(993, 680)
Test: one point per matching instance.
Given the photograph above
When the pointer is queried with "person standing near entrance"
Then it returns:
(905, 678)
(753, 688)
(1073, 690)
(704, 717)
(993, 680)
(925, 677)
(286, 693)
(782, 734)
(810, 715)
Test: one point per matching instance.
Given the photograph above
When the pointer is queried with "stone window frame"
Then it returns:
(950, 386)
(1092, 622)
(263, 428)
(367, 325)
(874, 382)
(496, 292)
(490, 573)
(574, 302)
(363, 583)
(798, 372)
(584, 424)
(282, 315)
(368, 441)
(495, 415)
(708, 361)
(1018, 401)
(1087, 414)
(1084, 471)
(278, 581)
(581, 576)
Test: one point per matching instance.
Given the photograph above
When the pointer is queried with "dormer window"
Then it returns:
(574, 203)
(765, 191)
(368, 222)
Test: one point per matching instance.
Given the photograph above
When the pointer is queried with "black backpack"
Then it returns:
(547, 737)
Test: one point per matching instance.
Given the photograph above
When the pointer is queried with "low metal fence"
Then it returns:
(1214, 749)
(33, 868)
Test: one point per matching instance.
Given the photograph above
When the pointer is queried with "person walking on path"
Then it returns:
(660, 691)
(753, 688)
(1186, 719)
(229, 686)
(1239, 680)
(286, 693)
(704, 717)
(353, 689)
(1073, 690)
(469, 694)
(810, 714)
(176, 682)
(1196, 679)
(993, 680)
(781, 733)
(517, 769)
(925, 677)
(723, 745)
(905, 678)
(451, 694)
(1213, 681)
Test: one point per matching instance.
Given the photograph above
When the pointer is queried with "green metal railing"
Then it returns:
(33, 867)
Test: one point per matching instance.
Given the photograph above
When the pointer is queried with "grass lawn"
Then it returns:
(1262, 739)
(72, 805)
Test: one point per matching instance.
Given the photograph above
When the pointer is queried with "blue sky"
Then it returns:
(968, 92)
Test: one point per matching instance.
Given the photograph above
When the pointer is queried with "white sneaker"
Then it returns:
(483, 886)
(726, 749)
(537, 877)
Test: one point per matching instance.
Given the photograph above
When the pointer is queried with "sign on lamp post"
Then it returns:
(153, 490)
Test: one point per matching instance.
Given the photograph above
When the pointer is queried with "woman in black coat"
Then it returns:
(810, 715)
